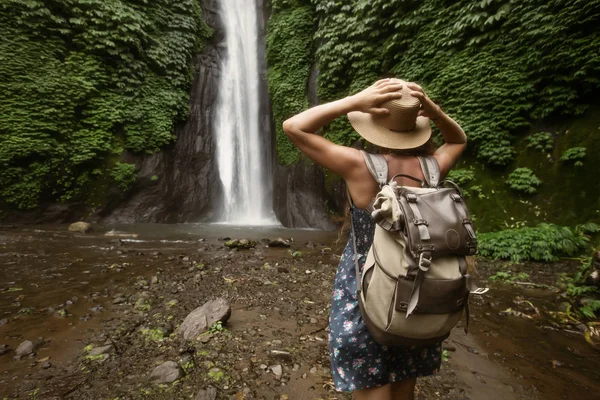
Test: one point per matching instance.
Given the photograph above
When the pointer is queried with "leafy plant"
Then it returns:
(574, 155)
(523, 180)
(495, 65)
(124, 175)
(461, 177)
(541, 141)
(85, 80)
(503, 276)
(545, 242)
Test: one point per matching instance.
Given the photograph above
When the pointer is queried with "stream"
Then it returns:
(61, 286)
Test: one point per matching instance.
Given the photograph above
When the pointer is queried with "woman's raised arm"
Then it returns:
(454, 136)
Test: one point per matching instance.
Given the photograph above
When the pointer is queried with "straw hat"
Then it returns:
(402, 128)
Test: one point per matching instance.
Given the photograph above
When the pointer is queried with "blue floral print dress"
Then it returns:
(357, 362)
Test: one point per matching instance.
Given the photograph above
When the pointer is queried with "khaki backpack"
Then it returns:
(415, 286)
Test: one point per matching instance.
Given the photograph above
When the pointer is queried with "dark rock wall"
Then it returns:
(188, 186)
(300, 191)
(299, 200)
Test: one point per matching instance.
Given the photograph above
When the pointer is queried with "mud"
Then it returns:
(74, 291)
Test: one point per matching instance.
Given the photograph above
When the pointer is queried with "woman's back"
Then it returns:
(364, 191)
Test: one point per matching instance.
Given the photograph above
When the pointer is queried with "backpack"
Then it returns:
(415, 285)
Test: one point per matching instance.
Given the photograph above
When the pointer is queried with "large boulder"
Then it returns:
(202, 318)
(167, 372)
(81, 227)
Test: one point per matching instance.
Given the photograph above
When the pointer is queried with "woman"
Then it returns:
(360, 365)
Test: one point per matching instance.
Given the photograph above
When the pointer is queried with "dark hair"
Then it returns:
(426, 149)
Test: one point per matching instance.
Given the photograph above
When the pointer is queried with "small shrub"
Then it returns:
(541, 141)
(124, 175)
(545, 242)
(523, 180)
(574, 155)
(461, 177)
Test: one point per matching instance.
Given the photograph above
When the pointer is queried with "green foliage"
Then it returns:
(545, 242)
(289, 56)
(82, 80)
(124, 175)
(574, 155)
(523, 180)
(495, 65)
(541, 141)
(586, 299)
(461, 177)
(503, 276)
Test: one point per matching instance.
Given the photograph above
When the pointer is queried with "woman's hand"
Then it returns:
(428, 108)
(371, 99)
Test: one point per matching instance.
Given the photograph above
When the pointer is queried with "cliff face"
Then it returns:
(187, 187)
(300, 194)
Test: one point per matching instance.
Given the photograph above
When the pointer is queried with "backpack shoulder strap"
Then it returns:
(377, 166)
(431, 170)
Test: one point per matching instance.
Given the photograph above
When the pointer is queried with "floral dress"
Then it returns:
(357, 362)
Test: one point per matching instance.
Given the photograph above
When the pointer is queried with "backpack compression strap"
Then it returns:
(377, 166)
(431, 170)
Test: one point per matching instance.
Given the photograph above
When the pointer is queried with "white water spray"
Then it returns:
(242, 152)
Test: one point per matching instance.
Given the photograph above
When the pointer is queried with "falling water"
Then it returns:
(242, 152)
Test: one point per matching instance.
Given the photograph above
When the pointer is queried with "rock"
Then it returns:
(3, 321)
(167, 372)
(279, 242)
(299, 192)
(96, 351)
(277, 370)
(4, 349)
(314, 321)
(154, 280)
(283, 270)
(593, 279)
(26, 348)
(202, 318)
(280, 355)
(449, 346)
(81, 227)
(46, 365)
(240, 244)
(209, 393)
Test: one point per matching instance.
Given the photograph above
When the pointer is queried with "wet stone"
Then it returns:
(209, 393)
(96, 351)
(167, 372)
(3, 321)
(25, 348)
(279, 242)
(4, 349)
(202, 318)
(280, 355)
(277, 370)
(81, 227)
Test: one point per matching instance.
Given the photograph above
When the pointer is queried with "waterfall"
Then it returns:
(243, 153)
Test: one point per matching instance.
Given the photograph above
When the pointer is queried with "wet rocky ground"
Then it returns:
(102, 313)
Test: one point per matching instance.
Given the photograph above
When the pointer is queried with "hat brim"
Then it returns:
(379, 135)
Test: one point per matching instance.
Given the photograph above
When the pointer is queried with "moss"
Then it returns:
(156, 335)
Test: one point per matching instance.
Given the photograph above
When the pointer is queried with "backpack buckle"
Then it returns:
(420, 222)
(467, 221)
(456, 197)
(424, 262)
(411, 197)
(480, 291)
